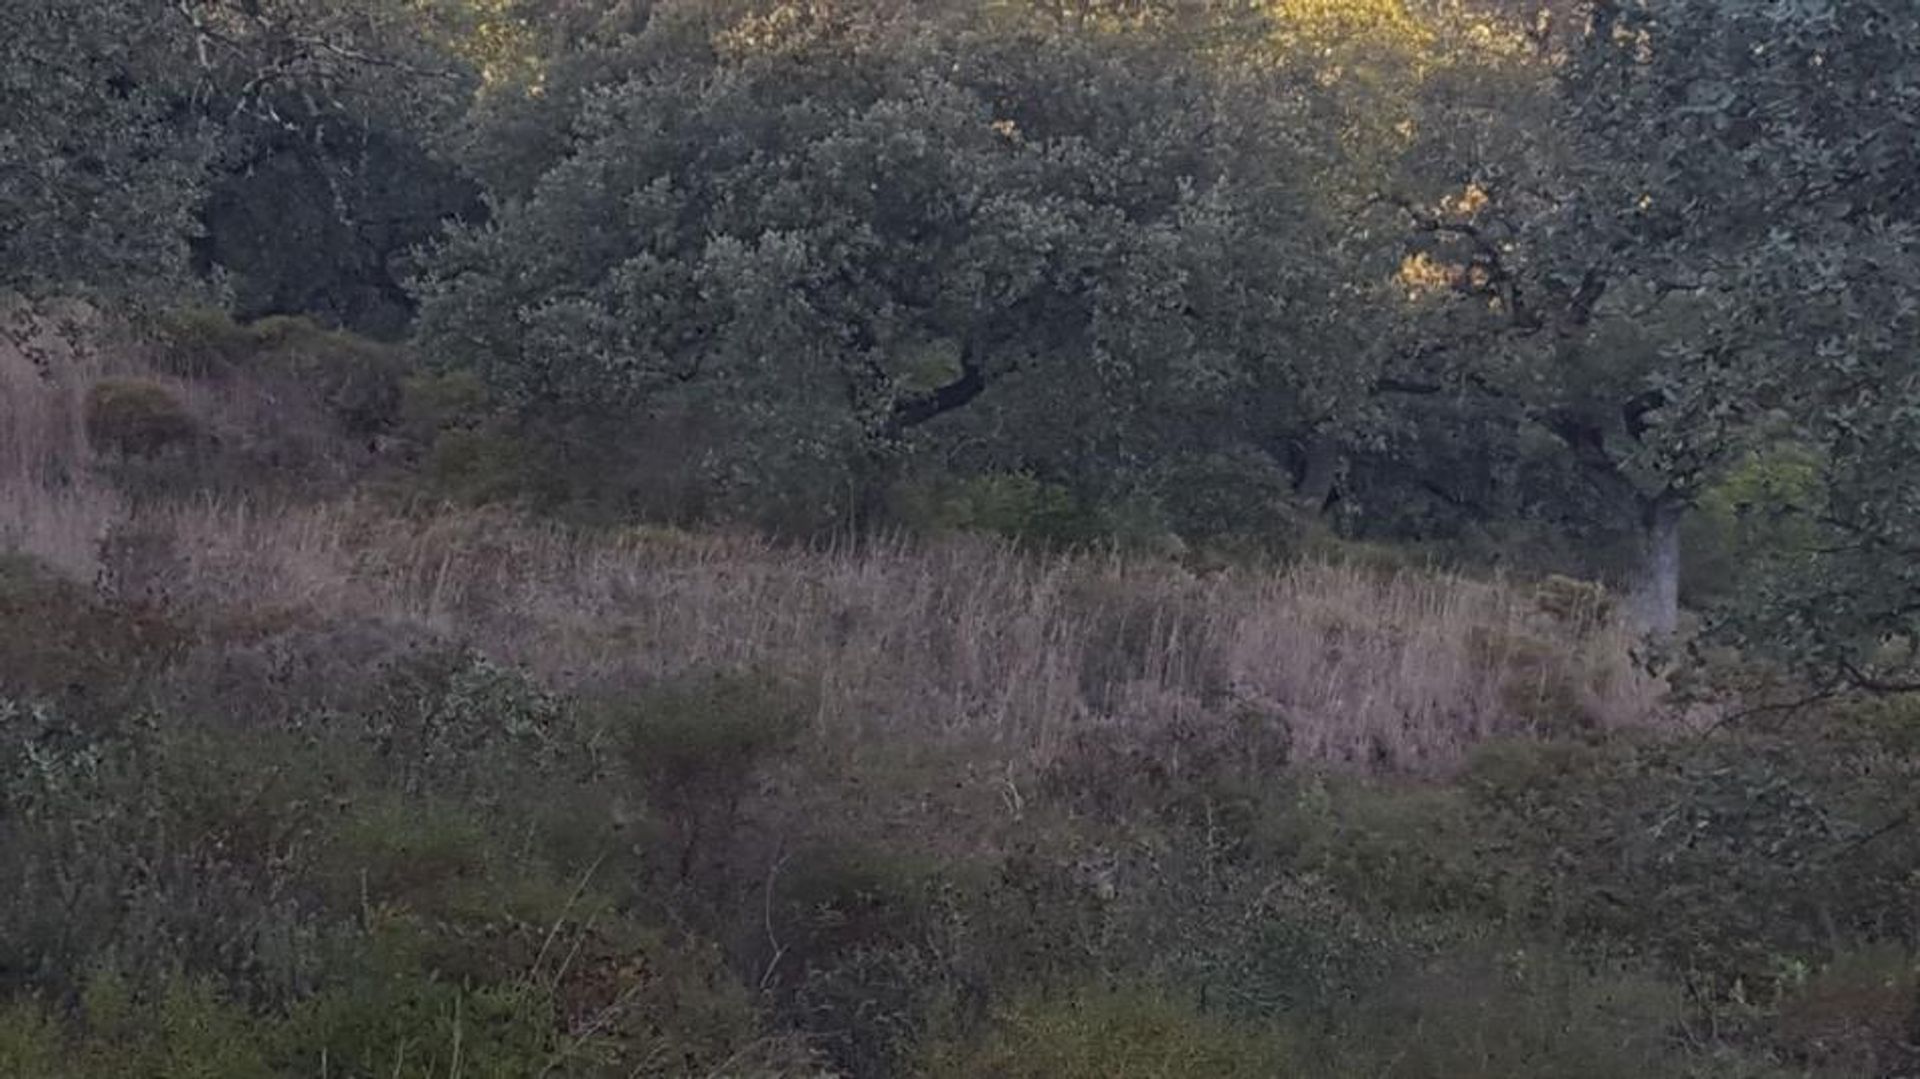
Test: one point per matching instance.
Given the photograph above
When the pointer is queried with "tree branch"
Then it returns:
(911, 412)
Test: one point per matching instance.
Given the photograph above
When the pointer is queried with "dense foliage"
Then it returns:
(831, 238)
(1480, 277)
(389, 684)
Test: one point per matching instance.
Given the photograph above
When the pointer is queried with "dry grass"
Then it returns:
(964, 638)
(45, 370)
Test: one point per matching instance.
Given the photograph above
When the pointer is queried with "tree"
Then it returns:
(1694, 237)
(334, 122)
(100, 169)
(271, 140)
(845, 240)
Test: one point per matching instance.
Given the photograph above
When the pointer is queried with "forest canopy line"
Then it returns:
(1571, 286)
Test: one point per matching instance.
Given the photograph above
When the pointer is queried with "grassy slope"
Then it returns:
(328, 790)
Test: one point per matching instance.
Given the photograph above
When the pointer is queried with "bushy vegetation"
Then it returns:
(245, 840)
(137, 419)
(593, 538)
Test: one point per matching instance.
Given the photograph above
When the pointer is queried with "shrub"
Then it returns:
(1101, 1033)
(1015, 505)
(361, 380)
(481, 466)
(387, 850)
(31, 1043)
(200, 342)
(184, 1029)
(696, 742)
(1528, 1011)
(59, 641)
(449, 722)
(1393, 849)
(697, 731)
(137, 418)
(412, 1025)
(1238, 502)
(849, 939)
(1858, 1015)
(1734, 857)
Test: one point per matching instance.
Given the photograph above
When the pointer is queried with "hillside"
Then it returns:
(959, 539)
(328, 785)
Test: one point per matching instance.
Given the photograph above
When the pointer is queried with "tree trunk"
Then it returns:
(1657, 592)
(1321, 469)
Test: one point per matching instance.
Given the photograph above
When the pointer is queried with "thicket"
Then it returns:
(1216, 466)
(1472, 277)
(247, 843)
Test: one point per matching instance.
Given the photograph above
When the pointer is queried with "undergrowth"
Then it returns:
(351, 790)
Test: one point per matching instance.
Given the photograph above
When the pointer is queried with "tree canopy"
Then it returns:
(1534, 281)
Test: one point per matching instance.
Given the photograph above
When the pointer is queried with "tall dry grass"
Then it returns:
(964, 638)
(48, 504)
(46, 366)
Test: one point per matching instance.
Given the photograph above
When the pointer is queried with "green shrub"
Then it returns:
(415, 1026)
(389, 850)
(477, 467)
(182, 1030)
(705, 732)
(1378, 559)
(59, 641)
(473, 455)
(851, 944)
(1395, 849)
(31, 1043)
(1735, 857)
(1858, 1015)
(1289, 949)
(696, 742)
(449, 722)
(1100, 1033)
(1760, 511)
(1243, 503)
(200, 342)
(132, 417)
(1524, 1011)
(1015, 505)
(443, 401)
(360, 380)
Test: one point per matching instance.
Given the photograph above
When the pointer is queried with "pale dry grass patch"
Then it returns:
(61, 527)
(963, 638)
(46, 367)
(1419, 667)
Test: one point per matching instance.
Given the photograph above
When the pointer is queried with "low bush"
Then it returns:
(360, 380)
(1013, 505)
(322, 835)
(136, 418)
(1528, 1011)
(1639, 847)
(478, 467)
(1104, 1033)
(1858, 1014)
(199, 342)
(696, 743)
(62, 642)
